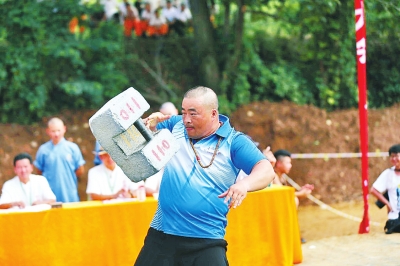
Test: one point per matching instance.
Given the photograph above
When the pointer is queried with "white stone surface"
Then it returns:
(113, 126)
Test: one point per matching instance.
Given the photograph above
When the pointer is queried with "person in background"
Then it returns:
(139, 6)
(282, 167)
(169, 108)
(96, 160)
(130, 19)
(61, 162)
(171, 13)
(110, 10)
(158, 25)
(389, 181)
(198, 187)
(183, 19)
(25, 189)
(145, 17)
(107, 180)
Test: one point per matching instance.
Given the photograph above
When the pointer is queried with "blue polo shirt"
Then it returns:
(188, 201)
(58, 164)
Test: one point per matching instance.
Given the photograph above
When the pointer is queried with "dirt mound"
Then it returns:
(300, 129)
(307, 129)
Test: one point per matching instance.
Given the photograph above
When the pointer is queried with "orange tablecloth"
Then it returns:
(263, 231)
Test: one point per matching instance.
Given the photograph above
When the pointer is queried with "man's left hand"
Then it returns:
(235, 194)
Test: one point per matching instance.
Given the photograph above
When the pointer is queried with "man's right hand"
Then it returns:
(152, 120)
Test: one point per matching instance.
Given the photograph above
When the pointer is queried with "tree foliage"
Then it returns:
(251, 50)
(45, 68)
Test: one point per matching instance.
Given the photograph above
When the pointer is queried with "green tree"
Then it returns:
(45, 68)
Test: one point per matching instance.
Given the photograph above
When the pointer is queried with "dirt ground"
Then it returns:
(333, 240)
(299, 129)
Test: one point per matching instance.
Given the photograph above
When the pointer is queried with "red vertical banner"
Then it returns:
(361, 48)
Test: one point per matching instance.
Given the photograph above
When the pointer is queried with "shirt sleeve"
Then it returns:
(78, 158)
(381, 182)
(170, 123)
(39, 161)
(47, 193)
(245, 154)
(6, 194)
(92, 185)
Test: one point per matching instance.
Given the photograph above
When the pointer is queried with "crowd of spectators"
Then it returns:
(149, 19)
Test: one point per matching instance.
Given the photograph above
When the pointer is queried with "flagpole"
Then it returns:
(361, 48)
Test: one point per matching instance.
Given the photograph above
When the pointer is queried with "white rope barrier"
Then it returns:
(337, 155)
(325, 206)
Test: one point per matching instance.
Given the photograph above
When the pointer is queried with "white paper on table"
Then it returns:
(34, 208)
(117, 200)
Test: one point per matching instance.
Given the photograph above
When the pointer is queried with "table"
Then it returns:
(262, 231)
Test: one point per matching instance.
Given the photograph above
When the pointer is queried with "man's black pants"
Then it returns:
(161, 249)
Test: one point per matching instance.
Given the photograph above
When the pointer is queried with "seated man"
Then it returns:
(145, 17)
(108, 181)
(183, 19)
(130, 18)
(389, 181)
(25, 189)
(158, 24)
(282, 167)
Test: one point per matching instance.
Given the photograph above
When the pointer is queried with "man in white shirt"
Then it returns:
(110, 10)
(123, 10)
(174, 18)
(184, 14)
(389, 181)
(107, 180)
(145, 18)
(25, 189)
(181, 18)
(170, 12)
(158, 25)
(129, 16)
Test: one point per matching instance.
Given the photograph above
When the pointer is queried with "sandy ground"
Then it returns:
(374, 249)
(334, 240)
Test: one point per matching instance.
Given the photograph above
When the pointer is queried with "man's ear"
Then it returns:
(214, 113)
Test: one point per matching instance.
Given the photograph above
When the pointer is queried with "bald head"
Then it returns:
(56, 130)
(206, 95)
(55, 121)
(168, 108)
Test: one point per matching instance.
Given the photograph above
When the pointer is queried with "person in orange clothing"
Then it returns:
(145, 18)
(131, 19)
(158, 24)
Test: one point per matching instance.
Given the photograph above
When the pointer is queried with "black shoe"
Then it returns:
(391, 226)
